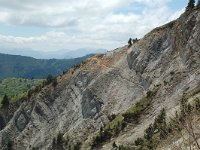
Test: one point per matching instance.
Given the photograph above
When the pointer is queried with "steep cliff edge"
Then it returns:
(167, 59)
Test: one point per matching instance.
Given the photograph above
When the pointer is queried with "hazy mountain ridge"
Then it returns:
(165, 62)
(60, 54)
(28, 67)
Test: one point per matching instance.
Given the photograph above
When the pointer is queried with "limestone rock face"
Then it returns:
(168, 57)
(21, 122)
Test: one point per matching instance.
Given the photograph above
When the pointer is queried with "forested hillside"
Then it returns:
(15, 88)
(28, 67)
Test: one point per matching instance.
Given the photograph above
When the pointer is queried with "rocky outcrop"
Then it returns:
(167, 57)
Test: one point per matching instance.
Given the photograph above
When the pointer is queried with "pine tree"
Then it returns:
(191, 5)
(114, 145)
(49, 79)
(5, 102)
(10, 145)
(149, 132)
(198, 4)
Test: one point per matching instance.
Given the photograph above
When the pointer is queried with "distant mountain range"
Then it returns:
(28, 67)
(61, 54)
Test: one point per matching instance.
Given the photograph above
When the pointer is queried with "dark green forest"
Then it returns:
(28, 67)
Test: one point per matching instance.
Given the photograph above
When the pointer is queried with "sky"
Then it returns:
(52, 25)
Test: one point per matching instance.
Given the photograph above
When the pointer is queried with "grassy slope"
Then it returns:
(16, 88)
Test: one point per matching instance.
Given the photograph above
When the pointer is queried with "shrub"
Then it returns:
(133, 114)
(150, 94)
(114, 145)
(54, 143)
(131, 117)
(160, 124)
(59, 138)
(30, 92)
(174, 124)
(104, 135)
(109, 131)
(149, 132)
(55, 82)
(111, 117)
(139, 141)
(186, 108)
(49, 79)
(172, 73)
(124, 147)
(197, 104)
(58, 143)
(124, 124)
(10, 145)
(77, 146)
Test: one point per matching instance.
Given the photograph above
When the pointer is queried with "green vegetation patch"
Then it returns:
(114, 123)
(16, 88)
(119, 122)
(133, 114)
(162, 130)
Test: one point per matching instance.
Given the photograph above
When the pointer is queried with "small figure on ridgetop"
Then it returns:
(135, 40)
(130, 42)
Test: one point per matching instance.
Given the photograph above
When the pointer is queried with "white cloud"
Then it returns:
(82, 23)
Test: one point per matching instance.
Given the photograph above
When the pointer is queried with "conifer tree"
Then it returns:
(198, 4)
(5, 102)
(190, 5)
